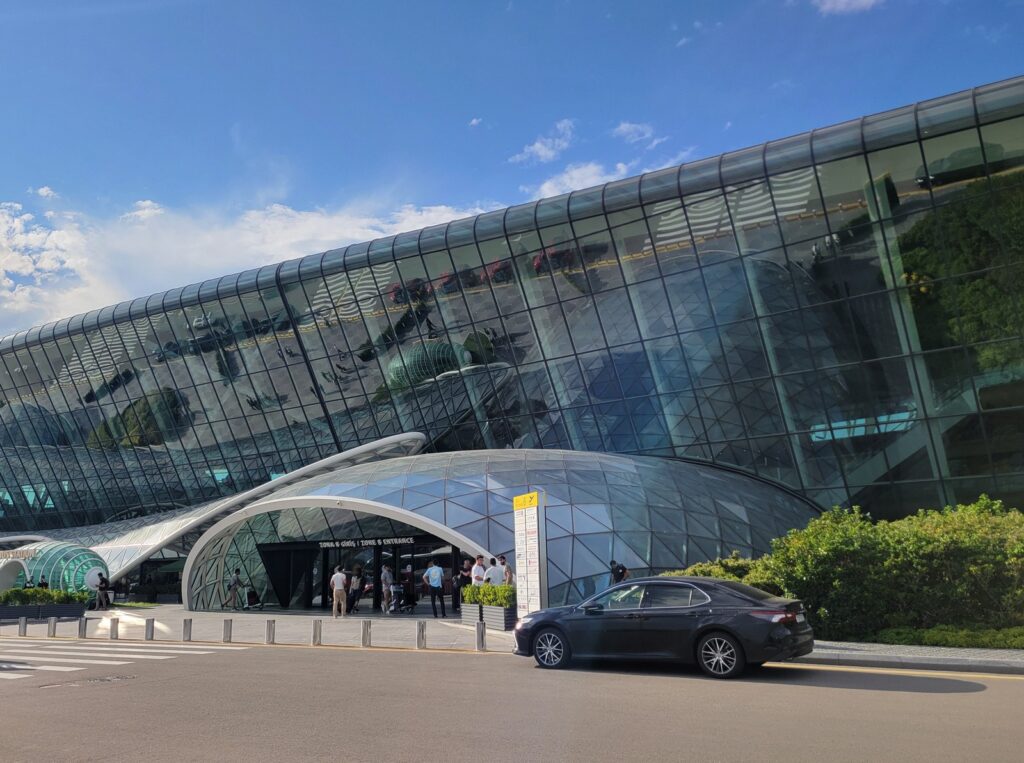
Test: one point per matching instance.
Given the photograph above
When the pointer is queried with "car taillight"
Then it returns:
(776, 616)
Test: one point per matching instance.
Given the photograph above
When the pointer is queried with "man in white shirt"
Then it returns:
(494, 575)
(338, 581)
(478, 570)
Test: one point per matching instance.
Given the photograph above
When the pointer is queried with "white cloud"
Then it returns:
(72, 262)
(728, 125)
(476, 121)
(827, 7)
(633, 132)
(683, 41)
(46, 192)
(576, 176)
(698, 25)
(671, 161)
(548, 148)
(143, 210)
(657, 142)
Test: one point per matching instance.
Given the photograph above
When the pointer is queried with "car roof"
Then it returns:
(670, 579)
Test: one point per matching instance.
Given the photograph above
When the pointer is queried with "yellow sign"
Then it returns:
(525, 501)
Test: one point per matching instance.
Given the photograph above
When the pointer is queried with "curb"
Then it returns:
(951, 664)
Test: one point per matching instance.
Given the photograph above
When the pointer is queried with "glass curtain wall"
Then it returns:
(839, 311)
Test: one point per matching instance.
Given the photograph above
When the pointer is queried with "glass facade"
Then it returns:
(650, 514)
(839, 311)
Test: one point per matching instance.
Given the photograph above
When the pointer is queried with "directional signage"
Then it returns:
(531, 553)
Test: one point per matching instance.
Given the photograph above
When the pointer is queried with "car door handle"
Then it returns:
(636, 617)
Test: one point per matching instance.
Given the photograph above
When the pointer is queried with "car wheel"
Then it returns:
(720, 655)
(550, 649)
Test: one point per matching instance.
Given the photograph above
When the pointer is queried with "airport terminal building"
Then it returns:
(685, 363)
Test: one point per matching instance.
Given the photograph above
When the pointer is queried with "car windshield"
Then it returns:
(745, 590)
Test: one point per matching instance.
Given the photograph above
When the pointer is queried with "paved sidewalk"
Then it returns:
(916, 657)
(249, 627)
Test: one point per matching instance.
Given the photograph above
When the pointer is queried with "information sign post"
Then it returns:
(531, 553)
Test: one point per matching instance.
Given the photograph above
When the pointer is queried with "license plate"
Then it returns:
(800, 618)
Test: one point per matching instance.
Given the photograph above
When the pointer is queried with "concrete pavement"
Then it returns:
(296, 704)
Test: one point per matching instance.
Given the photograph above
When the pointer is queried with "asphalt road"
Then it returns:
(295, 703)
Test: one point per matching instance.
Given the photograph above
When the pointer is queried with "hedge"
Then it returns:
(950, 567)
(490, 595)
(951, 635)
(26, 596)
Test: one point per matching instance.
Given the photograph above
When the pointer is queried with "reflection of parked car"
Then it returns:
(552, 259)
(453, 282)
(720, 625)
(965, 164)
(417, 290)
(499, 272)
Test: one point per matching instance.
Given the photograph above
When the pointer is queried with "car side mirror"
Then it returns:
(593, 609)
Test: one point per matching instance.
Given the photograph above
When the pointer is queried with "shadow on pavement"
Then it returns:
(793, 676)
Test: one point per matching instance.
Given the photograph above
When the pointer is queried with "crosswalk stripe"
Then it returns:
(45, 657)
(14, 665)
(122, 650)
(12, 675)
(91, 653)
(116, 644)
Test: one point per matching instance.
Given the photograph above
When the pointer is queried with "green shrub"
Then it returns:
(28, 596)
(490, 595)
(733, 567)
(956, 636)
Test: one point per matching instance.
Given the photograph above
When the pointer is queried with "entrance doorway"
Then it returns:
(300, 573)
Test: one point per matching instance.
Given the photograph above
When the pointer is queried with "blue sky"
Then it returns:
(151, 143)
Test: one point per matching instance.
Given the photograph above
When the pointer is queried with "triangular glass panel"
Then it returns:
(456, 515)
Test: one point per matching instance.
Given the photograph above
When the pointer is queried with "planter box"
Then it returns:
(76, 609)
(499, 618)
(13, 612)
(471, 613)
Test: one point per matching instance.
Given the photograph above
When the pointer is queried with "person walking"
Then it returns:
(234, 586)
(355, 590)
(619, 571)
(387, 579)
(434, 578)
(507, 576)
(338, 581)
(477, 574)
(494, 574)
(101, 592)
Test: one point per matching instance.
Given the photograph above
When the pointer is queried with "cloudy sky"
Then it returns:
(152, 143)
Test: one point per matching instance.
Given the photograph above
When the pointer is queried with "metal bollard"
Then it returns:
(481, 637)
(186, 629)
(22, 626)
(83, 627)
(365, 637)
(227, 630)
(114, 622)
(51, 627)
(421, 634)
(150, 627)
(271, 629)
(318, 633)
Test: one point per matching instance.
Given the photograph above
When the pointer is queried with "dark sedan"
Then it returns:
(720, 625)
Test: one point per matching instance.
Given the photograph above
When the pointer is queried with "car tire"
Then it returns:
(551, 649)
(719, 655)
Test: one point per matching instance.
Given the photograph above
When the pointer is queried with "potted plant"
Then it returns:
(495, 605)
(37, 603)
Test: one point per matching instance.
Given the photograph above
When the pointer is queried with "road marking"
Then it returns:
(893, 671)
(105, 643)
(42, 657)
(92, 653)
(12, 675)
(15, 665)
(125, 650)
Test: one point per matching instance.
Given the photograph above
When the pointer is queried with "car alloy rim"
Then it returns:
(549, 649)
(718, 656)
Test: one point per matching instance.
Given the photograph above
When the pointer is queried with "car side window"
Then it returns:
(627, 597)
(677, 595)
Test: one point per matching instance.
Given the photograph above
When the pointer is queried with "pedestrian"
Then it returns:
(42, 582)
(355, 589)
(338, 582)
(29, 583)
(461, 580)
(434, 578)
(478, 570)
(234, 586)
(507, 576)
(387, 579)
(494, 574)
(101, 592)
(619, 572)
